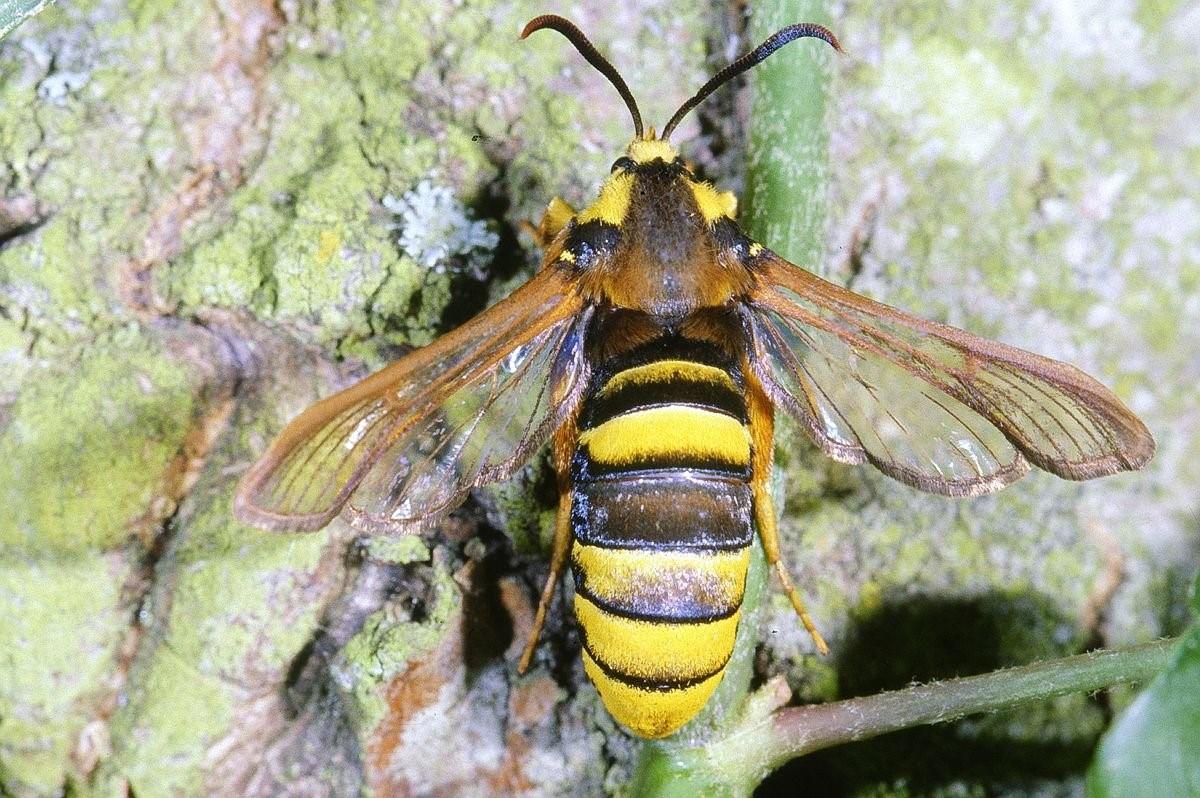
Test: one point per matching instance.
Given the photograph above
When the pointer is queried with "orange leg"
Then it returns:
(565, 439)
(767, 532)
(558, 561)
(762, 431)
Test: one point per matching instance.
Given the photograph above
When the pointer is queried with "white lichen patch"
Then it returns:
(56, 87)
(436, 231)
(66, 66)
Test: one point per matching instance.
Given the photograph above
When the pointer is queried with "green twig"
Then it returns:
(787, 180)
(741, 760)
(734, 764)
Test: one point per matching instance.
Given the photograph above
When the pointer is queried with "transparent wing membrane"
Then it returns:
(867, 409)
(928, 404)
(405, 445)
(479, 434)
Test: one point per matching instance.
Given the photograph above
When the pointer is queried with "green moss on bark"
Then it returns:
(388, 644)
(1027, 184)
(87, 444)
(229, 609)
(50, 682)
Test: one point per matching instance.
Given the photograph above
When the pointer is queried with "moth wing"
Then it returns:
(404, 446)
(928, 404)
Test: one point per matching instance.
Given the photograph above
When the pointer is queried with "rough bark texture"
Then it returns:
(212, 214)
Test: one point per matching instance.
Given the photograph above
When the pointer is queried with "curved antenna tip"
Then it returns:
(530, 26)
(591, 55)
(747, 60)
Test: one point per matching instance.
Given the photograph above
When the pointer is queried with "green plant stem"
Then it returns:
(736, 763)
(787, 178)
(797, 731)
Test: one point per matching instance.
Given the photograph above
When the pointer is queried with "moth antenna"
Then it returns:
(592, 56)
(750, 59)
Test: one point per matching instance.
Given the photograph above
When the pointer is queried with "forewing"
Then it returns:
(480, 434)
(404, 446)
(928, 404)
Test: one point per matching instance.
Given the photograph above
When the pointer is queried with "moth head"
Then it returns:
(655, 239)
(652, 179)
(643, 151)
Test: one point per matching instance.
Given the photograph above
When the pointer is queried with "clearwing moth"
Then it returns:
(653, 349)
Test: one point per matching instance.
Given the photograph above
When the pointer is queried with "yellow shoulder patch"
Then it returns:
(714, 204)
(557, 214)
(613, 202)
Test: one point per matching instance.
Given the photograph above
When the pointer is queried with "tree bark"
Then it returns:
(214, 214)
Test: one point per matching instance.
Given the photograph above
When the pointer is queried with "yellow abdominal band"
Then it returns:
(655, 674)
(669, 434)
(635, 580)
(661, 371)
(648, 712)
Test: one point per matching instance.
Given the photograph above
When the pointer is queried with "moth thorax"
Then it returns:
(666, 262)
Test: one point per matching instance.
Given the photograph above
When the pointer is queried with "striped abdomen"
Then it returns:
(661, 516)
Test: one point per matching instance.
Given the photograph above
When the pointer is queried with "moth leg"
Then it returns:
(558, 561)
(762, 431)
(555, 218)
(764, 512)
(564, 445)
